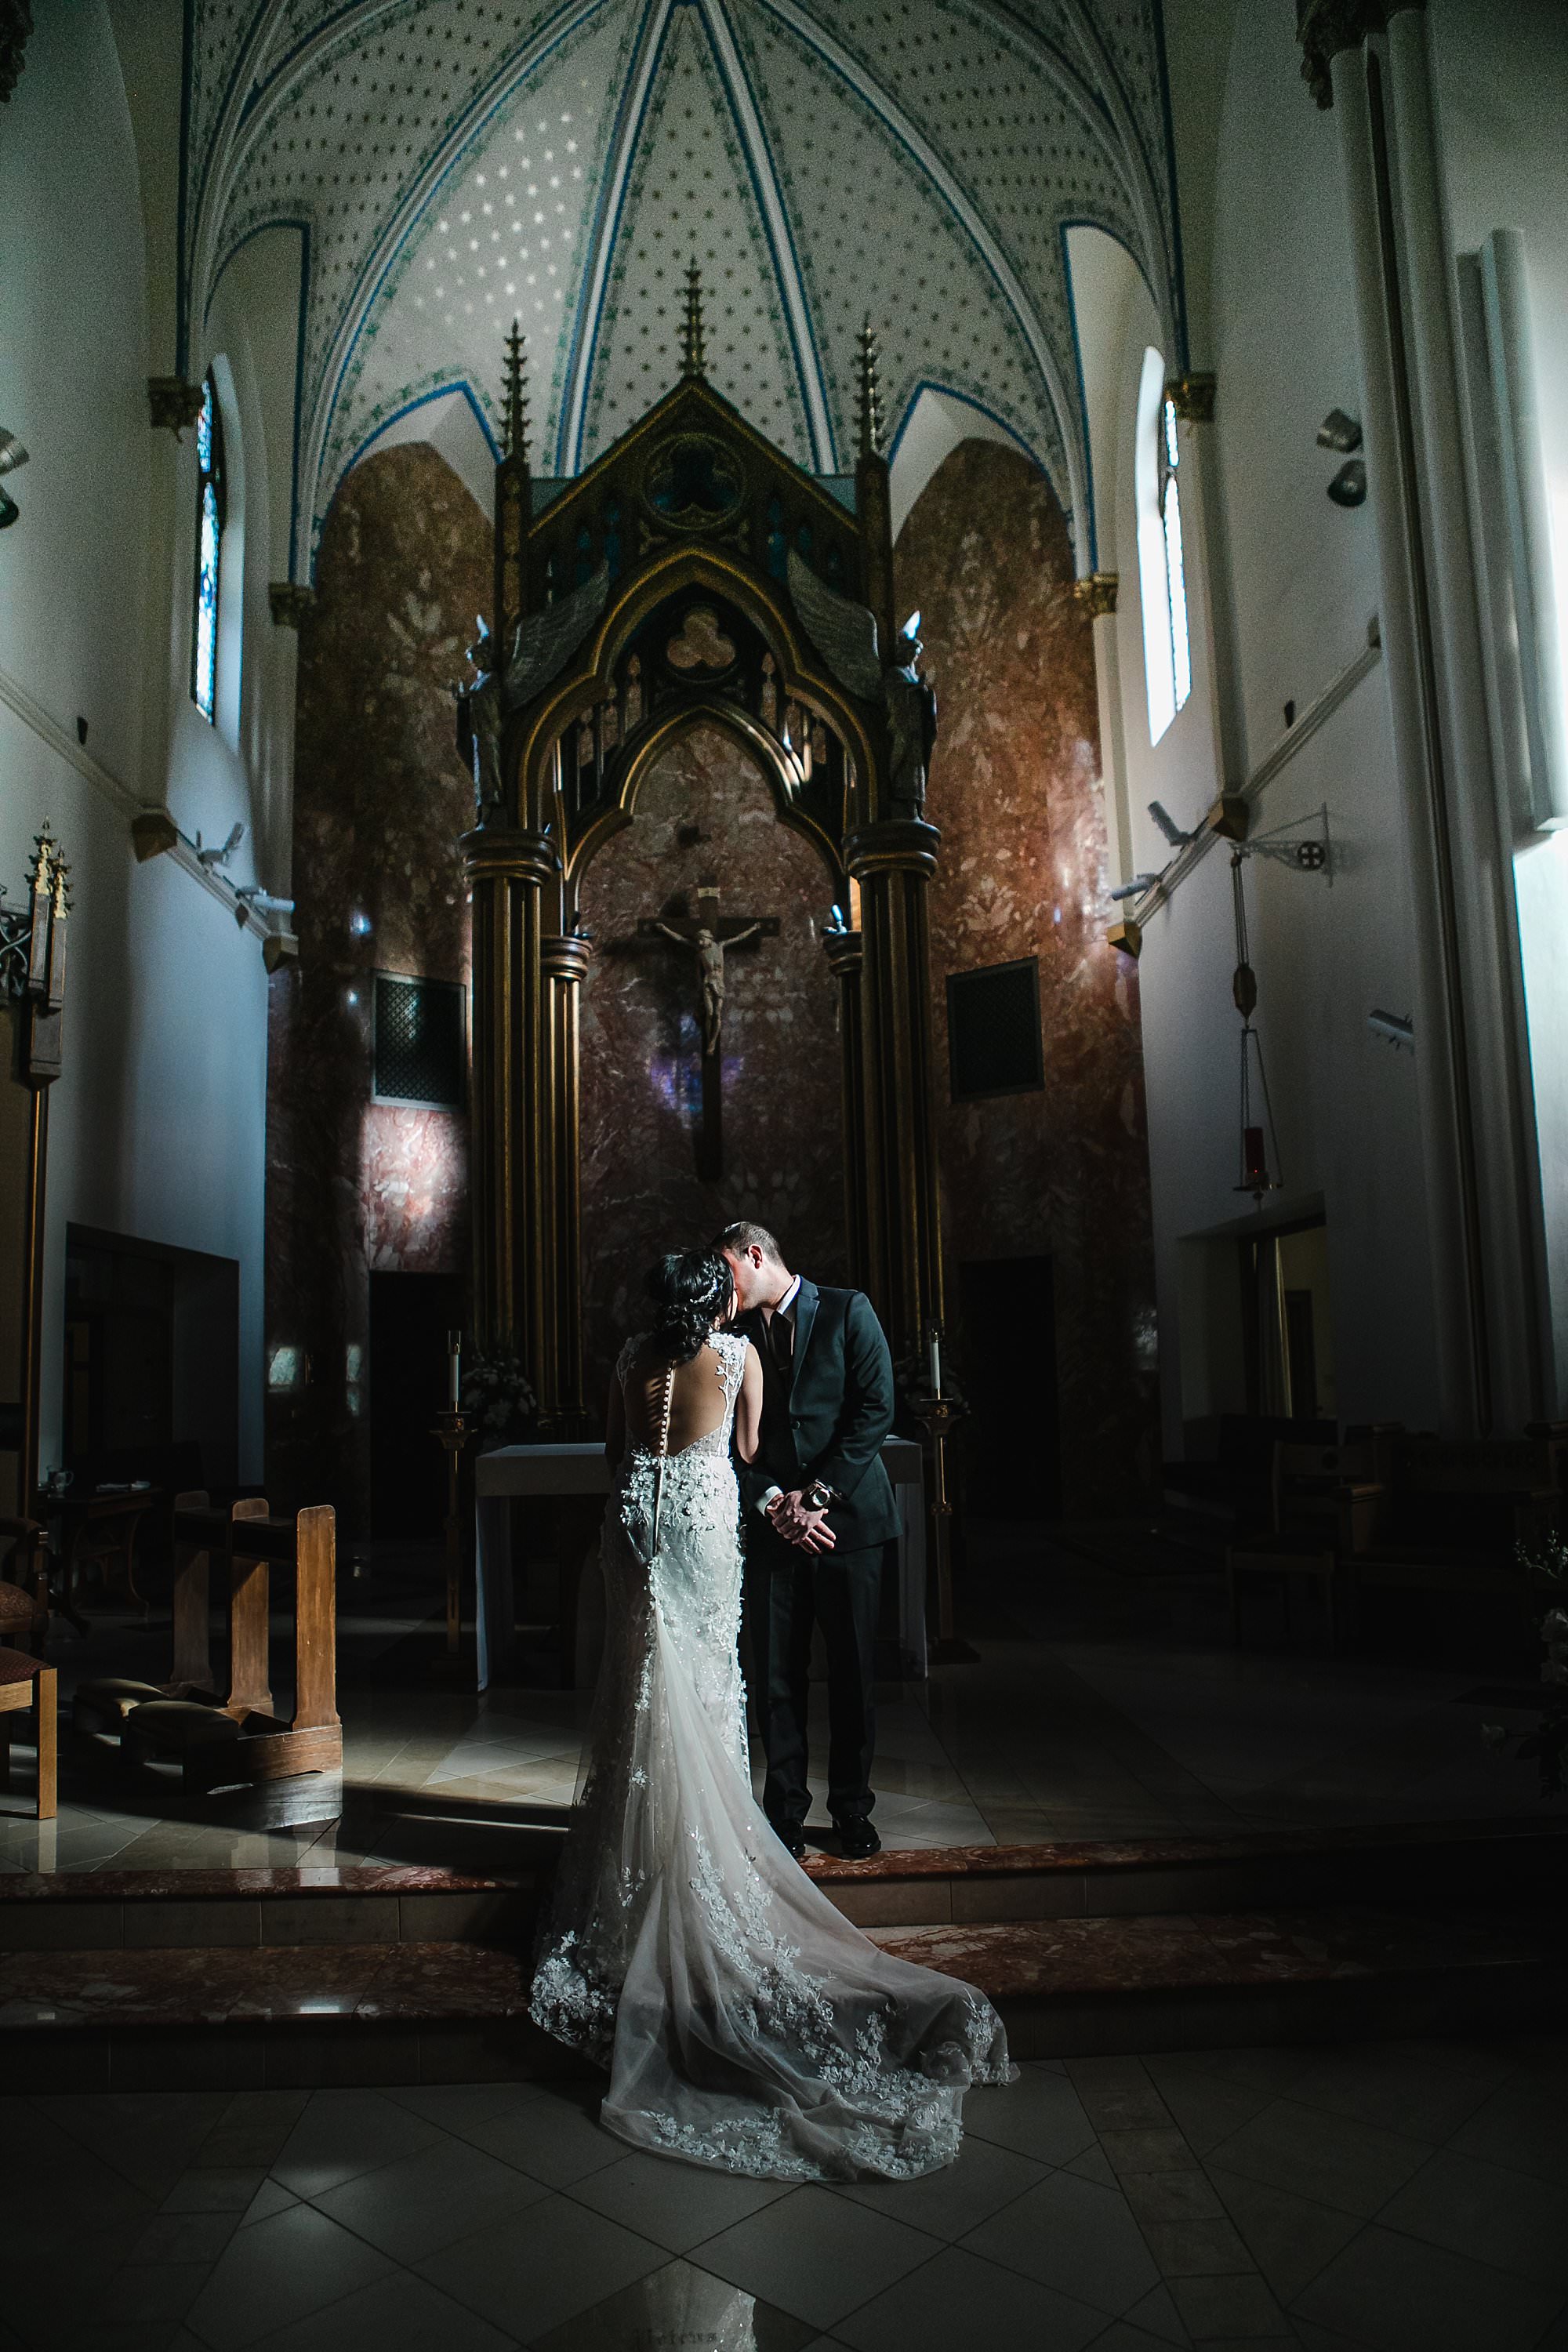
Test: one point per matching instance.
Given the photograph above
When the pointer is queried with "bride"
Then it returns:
(743, 2023)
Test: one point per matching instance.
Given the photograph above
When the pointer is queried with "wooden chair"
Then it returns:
(1283, 1564)
(24, 1583)
(27, 1683)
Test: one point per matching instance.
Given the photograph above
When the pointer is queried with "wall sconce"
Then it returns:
(1396, 1029)
(218, 854)
(12, 454)
(1136, 888)
(1340, 431)
(1168, 826)
(1347, 487)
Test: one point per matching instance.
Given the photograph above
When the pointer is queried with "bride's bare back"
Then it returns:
(697, 1404)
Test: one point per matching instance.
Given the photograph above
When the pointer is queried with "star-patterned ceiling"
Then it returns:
(455, 163)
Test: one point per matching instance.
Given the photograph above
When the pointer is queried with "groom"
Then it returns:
(819, 1508)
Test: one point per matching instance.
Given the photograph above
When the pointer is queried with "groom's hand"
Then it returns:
(807, 1530)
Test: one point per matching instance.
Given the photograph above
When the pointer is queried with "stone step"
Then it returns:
(245, 2017)
(1502, 1863)
(1514, 1860)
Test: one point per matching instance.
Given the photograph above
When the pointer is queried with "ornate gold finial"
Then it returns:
(870, 396)
(46, 854)
(1095, 593)
(514, 431)
(692, 361)
(1192, 397)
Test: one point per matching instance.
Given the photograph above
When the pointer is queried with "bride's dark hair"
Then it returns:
(689, 1291)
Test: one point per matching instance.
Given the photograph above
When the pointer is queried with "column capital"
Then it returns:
(900, 845)
(565, 955)
(496, 854)
(845, 952)
(1192, 397)
(172, 403)
(1327, 27)
(1096, 592)
(290, 601)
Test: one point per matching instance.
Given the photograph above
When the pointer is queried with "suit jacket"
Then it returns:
(831, 1422)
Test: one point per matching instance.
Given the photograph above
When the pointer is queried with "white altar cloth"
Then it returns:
(513, 1473)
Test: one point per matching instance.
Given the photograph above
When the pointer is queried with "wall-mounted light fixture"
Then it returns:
(1168, 826)
(1347, 487)
(12, 454)
(1340, 431)
(1396, 1029)
(1136, 888)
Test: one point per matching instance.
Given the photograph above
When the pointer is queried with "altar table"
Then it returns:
(514, 1474)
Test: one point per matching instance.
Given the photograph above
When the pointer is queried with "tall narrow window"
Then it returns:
(1161, 571)
(1176, 571)
(210, 503)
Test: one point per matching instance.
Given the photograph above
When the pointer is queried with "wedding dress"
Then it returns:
(744, 2023)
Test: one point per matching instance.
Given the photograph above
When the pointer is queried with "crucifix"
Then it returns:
(710, 936)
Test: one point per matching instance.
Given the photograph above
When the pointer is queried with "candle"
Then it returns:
(454, 1347)
(935, 1363)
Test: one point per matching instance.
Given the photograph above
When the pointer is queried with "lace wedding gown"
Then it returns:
(743, 2022)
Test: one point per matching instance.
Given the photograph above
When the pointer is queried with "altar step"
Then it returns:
(308, 2015)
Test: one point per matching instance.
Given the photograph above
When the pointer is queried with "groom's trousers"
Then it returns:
(787, 1591)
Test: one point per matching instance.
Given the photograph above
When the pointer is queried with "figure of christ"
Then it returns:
(710, 953)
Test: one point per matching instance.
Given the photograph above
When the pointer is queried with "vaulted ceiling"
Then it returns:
(454, 162)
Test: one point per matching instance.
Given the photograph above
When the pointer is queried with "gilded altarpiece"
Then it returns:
(692, 579)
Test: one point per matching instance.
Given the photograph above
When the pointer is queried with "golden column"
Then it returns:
(563, 958)
(508, 872)
(894, 863)
(845, 958)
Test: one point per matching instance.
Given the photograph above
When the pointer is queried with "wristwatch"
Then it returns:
(819, 1495)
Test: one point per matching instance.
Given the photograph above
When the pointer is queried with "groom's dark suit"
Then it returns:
(827, 1404)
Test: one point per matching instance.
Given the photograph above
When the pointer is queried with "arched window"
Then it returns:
(1175, 569)
(1167, 647)
(210, 518)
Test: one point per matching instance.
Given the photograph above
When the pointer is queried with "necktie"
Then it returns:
(781, 1341)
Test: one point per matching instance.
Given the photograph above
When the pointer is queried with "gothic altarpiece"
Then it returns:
(692, 576)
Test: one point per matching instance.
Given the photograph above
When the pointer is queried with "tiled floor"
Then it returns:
(1104, 1706)
(1383, 2197)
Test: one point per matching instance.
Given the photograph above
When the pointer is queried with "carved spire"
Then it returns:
(693, 361)
(514, 435)
(870, 396)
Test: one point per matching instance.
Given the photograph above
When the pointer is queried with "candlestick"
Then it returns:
(454, 1369)
(935, 1361)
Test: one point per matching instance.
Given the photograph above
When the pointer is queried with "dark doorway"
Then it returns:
(151, 1363)
(410, 1316)
(1012, 1443)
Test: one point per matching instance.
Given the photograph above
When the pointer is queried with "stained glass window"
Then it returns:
(1175, 568)
(209, 549)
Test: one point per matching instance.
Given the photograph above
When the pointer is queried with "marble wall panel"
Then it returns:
(380, 800)
(705, 813)
(1016, 788)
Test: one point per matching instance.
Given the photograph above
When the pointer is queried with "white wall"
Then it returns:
(157, 1124)
(1278, 316)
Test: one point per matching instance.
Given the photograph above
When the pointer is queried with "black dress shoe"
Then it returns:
(857, 1840)
(791, 1837)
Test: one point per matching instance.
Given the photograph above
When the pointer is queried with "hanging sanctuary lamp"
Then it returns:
(1259, 1144)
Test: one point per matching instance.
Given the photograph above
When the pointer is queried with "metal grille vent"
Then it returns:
(993, 1030)
(419, 1042)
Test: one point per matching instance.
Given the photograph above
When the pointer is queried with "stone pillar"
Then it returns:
(1097, 595)
(563, 960)
(845, 958)
(1507, 1176)
(894, 863)
(1447, 1125)
(508, 872)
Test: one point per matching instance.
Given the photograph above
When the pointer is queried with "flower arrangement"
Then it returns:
(498, 1395)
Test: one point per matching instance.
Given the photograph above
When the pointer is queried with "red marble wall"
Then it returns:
(1016, 788)
(380, 798)
(705, 813)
